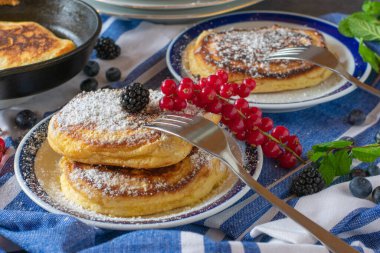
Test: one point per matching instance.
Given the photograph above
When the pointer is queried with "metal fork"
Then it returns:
(205, 135)
(322, 57)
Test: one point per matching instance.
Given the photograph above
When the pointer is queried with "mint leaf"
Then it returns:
(364, 16)
(369, 56)
(372, 8)
(315, 156)
(363, 29)
(331, 145)
(367, 153)
(344, 28)
(344, 161)
(328, 169)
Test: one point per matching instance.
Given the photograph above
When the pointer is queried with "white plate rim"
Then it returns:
(179, 6)
(283, 106)
(163, 16)
(116, 226)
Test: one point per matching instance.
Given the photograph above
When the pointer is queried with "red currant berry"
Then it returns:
(207, 94)
(241, 135)
(252, 122)
(256, 138)
(179, 104)
(168, 87)
(185, 90)
(297, 149)
(244, 91)
(2, 146)
(266, 124)
(226, 121)
(271, 149)
(214, 81)
(223, 75)
(226, 90)
(187, 81)
(229, 112)
(166, 103)
(280, 132)
(241, 104)
(287, 160)
(235, 87)
(197, 88)
(237, 125)
(250, 83)
(291, 141)
(203, 82)
(215, 106)
(256, 111)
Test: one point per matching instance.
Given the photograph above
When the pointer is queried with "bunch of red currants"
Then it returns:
(215, 94)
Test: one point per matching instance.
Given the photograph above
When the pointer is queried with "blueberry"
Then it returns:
(373, 170)
(356, 117)
(92, 68)
(26, 119)
(89, 84)
(357, 172)
(377, 137)
(348, 138)
(360, 187)
(113, 74)
(376, 195)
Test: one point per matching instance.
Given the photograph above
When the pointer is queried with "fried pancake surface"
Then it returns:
(242, 53)
(24, 43)
(93, 128)
(123, 192)
(9, 2)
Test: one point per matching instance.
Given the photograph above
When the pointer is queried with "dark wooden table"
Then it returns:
(310, 7)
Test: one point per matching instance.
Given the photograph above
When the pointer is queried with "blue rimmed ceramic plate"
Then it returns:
(332, 88)
(38, 175)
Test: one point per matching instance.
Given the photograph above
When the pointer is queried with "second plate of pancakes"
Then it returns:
(332, 88)
(48, 178)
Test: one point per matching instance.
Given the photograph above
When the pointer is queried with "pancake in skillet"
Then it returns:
(24, 43)
(242, 54)
(93, 128)
(126, 192)
(9, 2)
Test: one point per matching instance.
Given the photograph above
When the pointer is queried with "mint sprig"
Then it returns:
(364, 26)
(335, 158)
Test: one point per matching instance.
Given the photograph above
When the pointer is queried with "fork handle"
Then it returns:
(342, 72)
(334, 243)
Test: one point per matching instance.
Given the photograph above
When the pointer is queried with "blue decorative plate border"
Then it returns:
(362, 69)
(24, 170)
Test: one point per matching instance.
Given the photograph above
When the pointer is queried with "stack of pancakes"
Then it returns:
(243, 53)
(111, 164)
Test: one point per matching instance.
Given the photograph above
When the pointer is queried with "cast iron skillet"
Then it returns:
(70, 19)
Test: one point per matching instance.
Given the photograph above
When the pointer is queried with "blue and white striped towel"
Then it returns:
(251, 225)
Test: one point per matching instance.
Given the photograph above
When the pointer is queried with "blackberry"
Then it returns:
(106, 49)
(134, 98)
(308, 182)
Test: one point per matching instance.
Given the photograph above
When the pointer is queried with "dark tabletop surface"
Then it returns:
(309, 7)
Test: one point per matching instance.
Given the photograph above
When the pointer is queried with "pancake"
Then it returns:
(24, 43)
(123, 192)
(242, 54)
(9, 2)
(93, 128)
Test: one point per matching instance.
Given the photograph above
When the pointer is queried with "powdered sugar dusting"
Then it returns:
(111, 181)
(246, 50)
(101, 111)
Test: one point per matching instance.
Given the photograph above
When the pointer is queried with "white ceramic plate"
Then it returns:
(29, 182)
(333, 88)
(165, 4)
(173, 16)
